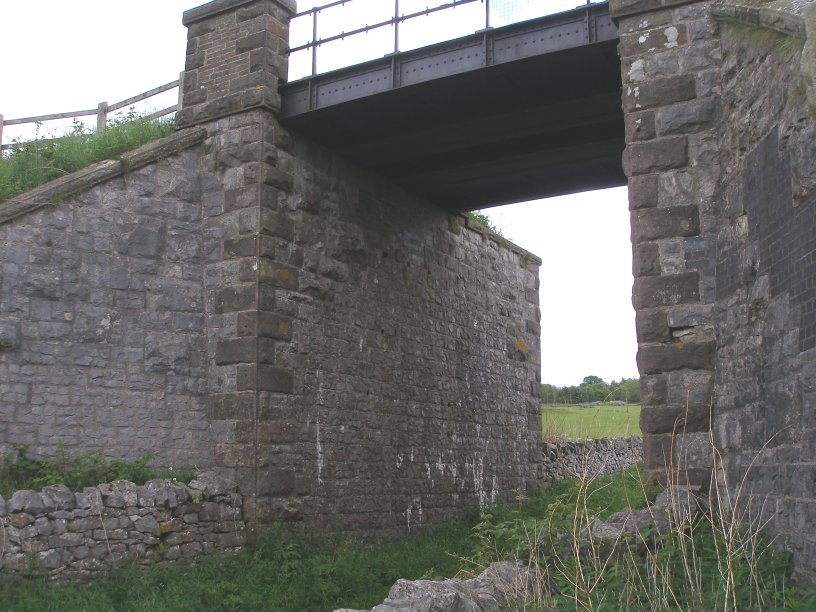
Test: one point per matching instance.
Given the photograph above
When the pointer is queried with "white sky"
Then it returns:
(63, 56)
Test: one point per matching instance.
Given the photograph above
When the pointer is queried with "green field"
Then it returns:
(573, 422)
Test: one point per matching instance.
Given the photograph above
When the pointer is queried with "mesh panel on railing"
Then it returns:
(460, 20)
(440, 26)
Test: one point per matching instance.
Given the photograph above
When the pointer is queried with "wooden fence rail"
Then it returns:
(103, 110)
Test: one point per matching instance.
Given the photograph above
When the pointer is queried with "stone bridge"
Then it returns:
(274, 296)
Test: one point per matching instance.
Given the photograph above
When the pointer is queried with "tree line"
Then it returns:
(593, 389)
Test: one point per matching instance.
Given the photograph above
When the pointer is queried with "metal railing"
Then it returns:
(102, 110)
(490, 10)
(395, 21)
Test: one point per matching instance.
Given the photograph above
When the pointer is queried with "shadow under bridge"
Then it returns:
(525, 111)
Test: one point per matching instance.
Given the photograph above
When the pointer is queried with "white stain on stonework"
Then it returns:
(671, 34)
(318, 444)
(104, 325)
(319, 448)
(643, 38)
(643, 24)
(637, 71)
(634, 92)
(416, 505)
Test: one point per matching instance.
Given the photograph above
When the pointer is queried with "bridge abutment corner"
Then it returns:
(720, 163)
(376, 359)
(670, 66)
(236, 56)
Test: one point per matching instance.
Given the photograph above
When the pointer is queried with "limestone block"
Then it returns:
(29, 502)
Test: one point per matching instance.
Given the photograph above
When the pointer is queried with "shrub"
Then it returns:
(19, 471)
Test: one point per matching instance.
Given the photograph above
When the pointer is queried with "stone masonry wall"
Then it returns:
(670, 58)
(418, 336)
(350, 356)
(720, 125)
(103, 316)
(377, 363)
(765, 387)
(63, 534)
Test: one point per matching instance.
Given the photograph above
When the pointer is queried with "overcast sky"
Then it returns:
(63, 56)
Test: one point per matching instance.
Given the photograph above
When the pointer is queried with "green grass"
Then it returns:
(575, 422)
(34, 163)
(289, 569)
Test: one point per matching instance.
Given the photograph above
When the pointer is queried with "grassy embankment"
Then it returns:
(602, 421)
(30, 164)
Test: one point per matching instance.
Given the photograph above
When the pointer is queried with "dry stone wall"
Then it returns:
(589, 458)
(60, 533)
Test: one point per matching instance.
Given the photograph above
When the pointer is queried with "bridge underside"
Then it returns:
(477, 137)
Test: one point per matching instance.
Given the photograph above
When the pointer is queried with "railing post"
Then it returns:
(180, 103)
(102, 117)
(396, 26)
(314, 42)
(487, 14)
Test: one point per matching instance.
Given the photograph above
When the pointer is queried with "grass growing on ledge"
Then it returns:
(31, 164)
(19, 471)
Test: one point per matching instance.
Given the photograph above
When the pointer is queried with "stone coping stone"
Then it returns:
(216, 7)
(100, 172)
(785, 16)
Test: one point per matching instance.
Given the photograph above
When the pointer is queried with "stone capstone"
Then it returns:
(29, 502)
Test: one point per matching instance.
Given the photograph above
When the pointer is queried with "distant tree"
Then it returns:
(550, 394)
(593, 389)
(632, 389)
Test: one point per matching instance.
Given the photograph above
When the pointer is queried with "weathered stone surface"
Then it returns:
(59, 497)
(656, 223)
(646, 259)
(30, 502)
(499, 585)
(656, 155)
(659, 92)
(657, 358)
(668, 419)
(686, 118)
(652, 325)
(148, 524)
(9, 335)
(212, 483)
(668, 290)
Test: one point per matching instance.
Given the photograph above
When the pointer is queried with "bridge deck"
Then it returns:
(526, 111)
